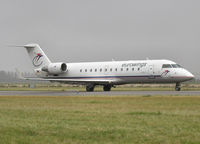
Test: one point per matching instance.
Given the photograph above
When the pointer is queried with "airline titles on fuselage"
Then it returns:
(134, 64)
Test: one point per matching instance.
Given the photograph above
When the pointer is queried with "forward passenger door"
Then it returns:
(151, 72)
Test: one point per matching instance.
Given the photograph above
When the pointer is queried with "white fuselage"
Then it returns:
(125, 72)
(107, 74)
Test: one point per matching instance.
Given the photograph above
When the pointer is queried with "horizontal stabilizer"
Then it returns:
(25, 46)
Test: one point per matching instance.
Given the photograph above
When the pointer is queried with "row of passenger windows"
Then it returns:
(171, 66)
(106, 70)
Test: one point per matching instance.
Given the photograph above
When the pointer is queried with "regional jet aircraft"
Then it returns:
(107, 74)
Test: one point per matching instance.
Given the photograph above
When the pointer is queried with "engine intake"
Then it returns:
(55, 68)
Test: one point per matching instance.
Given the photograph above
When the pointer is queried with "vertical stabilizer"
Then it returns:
(37, 56)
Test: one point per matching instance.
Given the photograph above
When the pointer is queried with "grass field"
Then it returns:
(100, 119)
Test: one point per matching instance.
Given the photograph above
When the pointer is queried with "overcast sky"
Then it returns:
(101, 30)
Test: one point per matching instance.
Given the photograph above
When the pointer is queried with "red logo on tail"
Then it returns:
(37, 60)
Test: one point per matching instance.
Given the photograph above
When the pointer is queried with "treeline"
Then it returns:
(11, 77)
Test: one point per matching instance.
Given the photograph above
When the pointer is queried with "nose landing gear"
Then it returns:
(178, 87)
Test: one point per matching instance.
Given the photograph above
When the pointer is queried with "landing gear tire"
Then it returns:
(178, 87)
(90, 88)
(107, 87)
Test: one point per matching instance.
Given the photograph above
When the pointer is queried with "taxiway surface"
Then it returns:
(111, 93)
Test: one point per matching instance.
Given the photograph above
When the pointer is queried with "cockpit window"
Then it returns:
(166, 66)
(179, 66)
(176, 66)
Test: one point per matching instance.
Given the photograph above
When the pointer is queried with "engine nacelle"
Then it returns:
(55, 68)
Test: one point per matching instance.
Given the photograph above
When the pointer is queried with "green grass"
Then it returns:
(100, 119)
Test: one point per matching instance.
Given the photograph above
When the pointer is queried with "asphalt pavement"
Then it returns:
(111, 93)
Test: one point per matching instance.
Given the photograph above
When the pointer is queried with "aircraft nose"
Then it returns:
(189, 75)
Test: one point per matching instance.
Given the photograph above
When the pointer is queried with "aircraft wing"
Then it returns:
(71, 80)
(76, 81)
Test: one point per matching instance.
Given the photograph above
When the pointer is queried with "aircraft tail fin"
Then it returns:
(37, 56)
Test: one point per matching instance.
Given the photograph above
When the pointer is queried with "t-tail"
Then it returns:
(41, 63)
(37, 56)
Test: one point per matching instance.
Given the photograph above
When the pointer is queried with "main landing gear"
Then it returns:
(178, 87)
(107, 87)
(90, 87)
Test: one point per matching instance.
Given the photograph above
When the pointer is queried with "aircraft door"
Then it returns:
(151, 72)
(151, 69)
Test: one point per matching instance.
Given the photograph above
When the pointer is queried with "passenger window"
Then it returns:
(95, 70)
(138, 69)
(115, 69)
(90, 70)
(111, 69)
(80, 70)
(105, 70)
(166, 66)
(85, 70)
(121, 69)
(132, 69)
(126, 69)
(100, 70)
